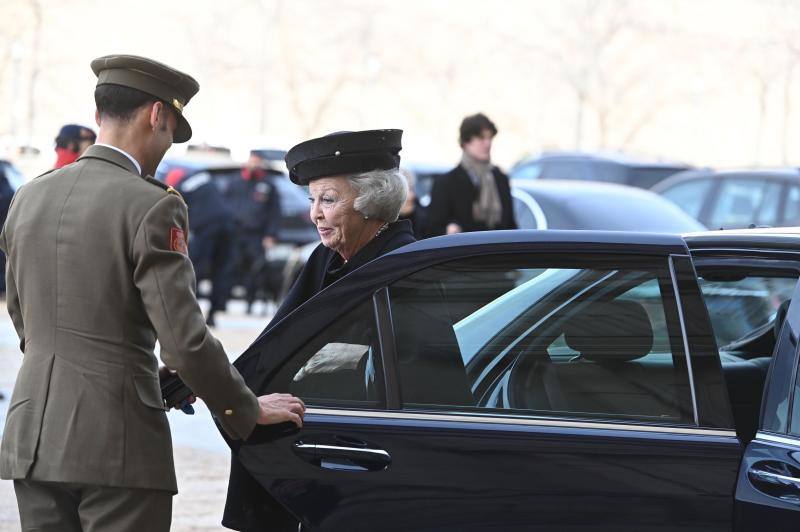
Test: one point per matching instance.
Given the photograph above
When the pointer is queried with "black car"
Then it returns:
(541, 380)
(554, 204)
(734, 199)
(425, 174)
(609, 167)
(296, 227)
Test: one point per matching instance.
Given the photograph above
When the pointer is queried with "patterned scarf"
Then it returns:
(486, 207)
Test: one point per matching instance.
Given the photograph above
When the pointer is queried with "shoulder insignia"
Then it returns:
(168, 188)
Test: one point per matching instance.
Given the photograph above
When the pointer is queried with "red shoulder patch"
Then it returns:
(177, 240)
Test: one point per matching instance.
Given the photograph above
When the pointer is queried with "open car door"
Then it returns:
(749, 280)
(517, 380)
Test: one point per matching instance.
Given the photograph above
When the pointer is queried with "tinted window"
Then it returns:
(791, 213)
(565, 170)
(740, 308)
(562, 338)
(609, 172)
(528, 171)
(737, 203)
(339, 366)
(648, 177)
(689, 195)
(768, 211)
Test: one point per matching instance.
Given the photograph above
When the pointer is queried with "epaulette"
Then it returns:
(169, 189)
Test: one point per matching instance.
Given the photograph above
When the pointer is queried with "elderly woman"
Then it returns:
(356, 191)
(355, 194)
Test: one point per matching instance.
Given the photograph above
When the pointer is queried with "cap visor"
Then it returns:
(183, 131)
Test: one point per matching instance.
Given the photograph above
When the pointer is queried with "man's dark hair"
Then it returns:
(70, 135)
(119, 102)
(474, 126)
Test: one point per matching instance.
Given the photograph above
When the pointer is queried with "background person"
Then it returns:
(97, 271)
(475, 195)
(255, 203)
(72, 140)
(213, 231)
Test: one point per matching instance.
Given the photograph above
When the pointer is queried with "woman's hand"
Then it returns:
(280, 407)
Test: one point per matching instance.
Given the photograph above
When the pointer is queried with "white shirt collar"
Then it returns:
(126, 154)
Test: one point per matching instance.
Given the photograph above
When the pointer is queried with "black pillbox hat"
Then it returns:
(345, 152)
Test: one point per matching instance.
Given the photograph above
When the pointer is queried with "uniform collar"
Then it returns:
(113, 155)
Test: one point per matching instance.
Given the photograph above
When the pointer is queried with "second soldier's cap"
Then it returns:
(172, 86)
(345, 152)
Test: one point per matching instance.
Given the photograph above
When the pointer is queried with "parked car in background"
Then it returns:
(609, 167)
(546, 204)
(425, 174)
(733, 199)
(297, 235)
(540, 380)
(296, 227)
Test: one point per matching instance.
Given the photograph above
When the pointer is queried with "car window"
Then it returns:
(742, 307)
(608, 172)
(689, 195)
(565, 170)
(554, 338)
(737, 203)
(791, 213)
(645, 177)
(527, 171)
(338, 367)
(768, 210)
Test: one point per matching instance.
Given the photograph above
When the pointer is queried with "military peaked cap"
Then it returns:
(157, 79)
(345, 152)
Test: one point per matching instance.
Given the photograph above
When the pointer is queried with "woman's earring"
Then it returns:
(366, 217)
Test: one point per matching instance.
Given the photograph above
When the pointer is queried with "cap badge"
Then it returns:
(177, 105)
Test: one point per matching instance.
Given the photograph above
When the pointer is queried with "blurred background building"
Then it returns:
(706, 82)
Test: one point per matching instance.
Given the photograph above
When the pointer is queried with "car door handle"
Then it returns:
(342, 457)
(774, 479)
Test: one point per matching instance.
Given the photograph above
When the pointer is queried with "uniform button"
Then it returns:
(229, 412)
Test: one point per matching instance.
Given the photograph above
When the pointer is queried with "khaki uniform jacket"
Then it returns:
(97, 270)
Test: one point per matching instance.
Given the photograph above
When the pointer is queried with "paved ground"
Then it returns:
(201, 456)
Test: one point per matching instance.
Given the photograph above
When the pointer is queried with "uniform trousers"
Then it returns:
(67, 507)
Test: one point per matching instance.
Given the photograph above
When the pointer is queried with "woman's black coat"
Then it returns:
(451, 202)
(248, 506)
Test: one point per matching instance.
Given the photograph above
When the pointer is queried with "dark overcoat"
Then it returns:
(248, 506)
(451, 202)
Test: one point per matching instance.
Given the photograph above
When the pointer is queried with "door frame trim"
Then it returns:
(507, 420)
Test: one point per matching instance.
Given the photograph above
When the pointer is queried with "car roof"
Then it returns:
(565, 188)
(778, 238)
(701, 173)
(517, 236)
(602, 156)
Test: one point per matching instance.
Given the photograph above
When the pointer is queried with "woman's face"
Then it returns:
(340, 226)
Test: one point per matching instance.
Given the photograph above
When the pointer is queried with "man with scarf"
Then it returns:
(71, 142)
(475, 195)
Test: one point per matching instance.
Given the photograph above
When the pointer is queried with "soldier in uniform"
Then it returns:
(97, 271)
